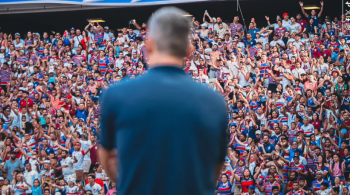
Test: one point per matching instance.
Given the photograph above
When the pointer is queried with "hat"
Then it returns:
(123, 69)
(251, 187)
(258, 132)
(319, 171)
(30, 47)
(44, 96)
(328, 23)
(7, 55)
(17, 34)
(37, 34)
(285, 14)
(30, 84)
(72, 28)
(2, 47)
(242, 159)
(204, 25)
(126, 46)
(214, 19)
(295, 156)
(1, 179)
(313, 143)
(303, 74)
(69, 96)
(81, 119)
(106, 27)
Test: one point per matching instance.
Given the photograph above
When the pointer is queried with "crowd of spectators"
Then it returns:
(286, 85)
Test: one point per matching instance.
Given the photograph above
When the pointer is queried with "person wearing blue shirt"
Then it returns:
(253, 30)
(249, 40)
(313, 13)
(81, 113)
(139, 117)
(266, 146)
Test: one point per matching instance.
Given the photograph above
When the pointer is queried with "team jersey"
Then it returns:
(300, 192)
(308, 130)
(317, 184)
(72, 190)
(268, 187)
(224, 188)
(95, 189)
(102, 63)
(78, 59)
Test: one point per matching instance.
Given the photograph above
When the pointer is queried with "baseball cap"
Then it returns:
(17, 34)
(295, 156)
(81, 119)
(251, 187)
(30, 84)
(313, 143)
(30, 47)
(204, 25)
(7, 55)
(2, 47)
(1, 179)
(285, 14)
(69, 96)
(126, 46)
(258, 132)
(72, 28)
(106, 27)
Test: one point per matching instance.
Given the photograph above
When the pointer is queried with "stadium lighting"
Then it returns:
(308, 7)
(187, 15)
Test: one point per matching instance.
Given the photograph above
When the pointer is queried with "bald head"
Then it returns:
(169, 30)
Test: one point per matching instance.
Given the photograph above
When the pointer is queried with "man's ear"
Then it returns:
(149, 45)
(189, 51)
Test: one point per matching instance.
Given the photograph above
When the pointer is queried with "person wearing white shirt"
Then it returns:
(297, 43)
(85, 144)
(77, 39)
(294, 26)
(92, 186)
(276, 41)
(67, 166)
(298, 70)
(286, 22)
(19, 187)
(29, 176)
(78, 159)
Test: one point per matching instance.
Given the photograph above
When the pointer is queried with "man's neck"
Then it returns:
(157, 59)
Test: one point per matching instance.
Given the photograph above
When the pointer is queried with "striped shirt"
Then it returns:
(5, 76)
(235, 28)
(224, 188)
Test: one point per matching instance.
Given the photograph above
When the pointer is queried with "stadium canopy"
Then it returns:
(35, 6)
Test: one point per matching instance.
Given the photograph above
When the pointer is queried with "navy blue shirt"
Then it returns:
(170, 133)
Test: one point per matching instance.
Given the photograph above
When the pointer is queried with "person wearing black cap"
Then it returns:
(13, 164)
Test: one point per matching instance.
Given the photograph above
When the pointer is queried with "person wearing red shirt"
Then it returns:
(301, 21)
(324, 52)
(25, 100)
